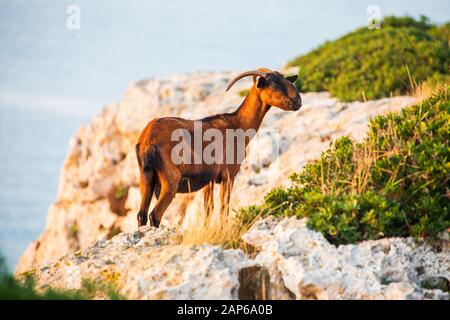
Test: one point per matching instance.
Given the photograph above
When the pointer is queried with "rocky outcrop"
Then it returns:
(312, 268)
(98, 194)
(292, 262)
(146, 265)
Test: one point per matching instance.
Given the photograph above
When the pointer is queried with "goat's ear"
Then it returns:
(292, 78)
(261, 83)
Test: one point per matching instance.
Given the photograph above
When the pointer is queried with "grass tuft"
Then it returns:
(226, 233)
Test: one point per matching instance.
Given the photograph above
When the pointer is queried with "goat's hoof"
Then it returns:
(142, 220)
(154, 222)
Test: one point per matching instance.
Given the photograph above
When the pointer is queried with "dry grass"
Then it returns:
(362, 159)
(364, 156)
(426, 90)
(227, 232)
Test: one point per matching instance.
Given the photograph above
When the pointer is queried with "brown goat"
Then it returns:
(159, 173)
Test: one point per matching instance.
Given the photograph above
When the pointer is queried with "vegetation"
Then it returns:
(121, 192)
(14, 289)
(394, 183)
(244, 93)
(371, 64)
(227, 233)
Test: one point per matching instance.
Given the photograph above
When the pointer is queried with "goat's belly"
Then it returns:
(194, 183)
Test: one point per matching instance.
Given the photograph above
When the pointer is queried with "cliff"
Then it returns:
(98, 194)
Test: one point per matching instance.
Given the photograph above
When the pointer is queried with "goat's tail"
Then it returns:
(146, 159)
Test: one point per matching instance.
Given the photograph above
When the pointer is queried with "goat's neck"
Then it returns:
(251, 112)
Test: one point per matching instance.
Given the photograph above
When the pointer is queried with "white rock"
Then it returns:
(312, 268)
(300, 263)
(143, 265)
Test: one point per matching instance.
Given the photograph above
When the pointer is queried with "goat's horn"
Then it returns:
(255, 73)
(265, 70)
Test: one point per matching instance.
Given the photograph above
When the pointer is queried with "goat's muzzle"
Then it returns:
(296, 103)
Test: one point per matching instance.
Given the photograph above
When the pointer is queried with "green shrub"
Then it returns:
(244, 93)
(371, 64)
(394, 183)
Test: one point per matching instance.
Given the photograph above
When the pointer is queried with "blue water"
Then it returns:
(52, 78)
(33, 146)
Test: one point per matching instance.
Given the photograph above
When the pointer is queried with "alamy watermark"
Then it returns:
(232, 146)
(73, 21)
(373, 17)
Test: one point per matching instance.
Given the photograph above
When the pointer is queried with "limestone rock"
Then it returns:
(312, 268)
(292, 262)
(144, 265)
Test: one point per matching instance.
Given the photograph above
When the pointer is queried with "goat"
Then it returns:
(160, 174)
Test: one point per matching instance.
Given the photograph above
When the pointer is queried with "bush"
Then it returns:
(371, 64)
(394, 183)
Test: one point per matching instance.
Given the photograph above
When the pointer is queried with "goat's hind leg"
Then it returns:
(147, 185)
(169, 187)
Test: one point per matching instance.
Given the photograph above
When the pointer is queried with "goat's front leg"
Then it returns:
(225, 192)
(208, 200)
(169, 187)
